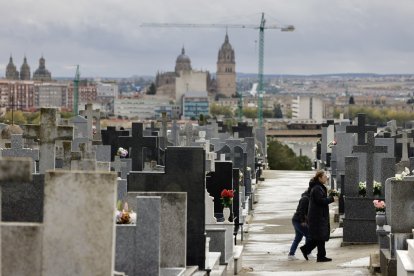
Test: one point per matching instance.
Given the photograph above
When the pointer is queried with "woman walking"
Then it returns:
(318, 217)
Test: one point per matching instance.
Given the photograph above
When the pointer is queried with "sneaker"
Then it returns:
(302, 248)
(292, 257)
(324, 259)
(311, 256)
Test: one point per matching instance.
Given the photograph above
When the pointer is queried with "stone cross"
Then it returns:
(175, 133)
(361, 129)
(89, 115)
(17, 149)
(136, 143)
(188, 134)
(164, 122)
(370, 149)
(47, 132)
(404, 141)
(119, 166)
(392, 125)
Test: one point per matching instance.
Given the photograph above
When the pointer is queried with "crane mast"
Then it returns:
(76, 91)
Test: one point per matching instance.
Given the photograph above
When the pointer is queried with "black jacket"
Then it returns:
(318, 213)
(301, 214)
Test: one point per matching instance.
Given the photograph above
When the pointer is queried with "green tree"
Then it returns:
(18, 117)
(250, 112)
(277, 111)
(281, 157)
(152, 90)
(351, 100)
(216, 110)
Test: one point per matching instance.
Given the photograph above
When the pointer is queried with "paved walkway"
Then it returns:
(270, 233)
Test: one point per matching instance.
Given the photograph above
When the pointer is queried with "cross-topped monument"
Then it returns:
(17, 149)
(48, 131)
(188, 134)
(164, 122)
(370, 149)
(361, 129)
(136, 143)
(175, 133)
(89, 115)
(120, 166)
(404, 140)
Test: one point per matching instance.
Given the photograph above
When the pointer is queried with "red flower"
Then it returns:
(227, 193)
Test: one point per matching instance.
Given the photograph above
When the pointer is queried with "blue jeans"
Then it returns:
(300, 232)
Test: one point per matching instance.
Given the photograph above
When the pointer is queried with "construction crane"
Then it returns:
(261, 28)
(76, 91)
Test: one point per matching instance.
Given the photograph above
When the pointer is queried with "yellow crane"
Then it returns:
(261, 28)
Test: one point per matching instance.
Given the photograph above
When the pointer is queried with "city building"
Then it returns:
(226, 69)
(140, 108)
(87, 93)
(195, 104)
(17, 94)
(106, 93)
(308, 107)
(50, 94)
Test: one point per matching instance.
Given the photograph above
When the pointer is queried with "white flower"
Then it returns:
(249, 169)
(399, 176)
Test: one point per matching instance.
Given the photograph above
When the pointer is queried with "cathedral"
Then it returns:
(41, 74)
(185, 79)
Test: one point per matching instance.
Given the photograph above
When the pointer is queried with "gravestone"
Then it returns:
(243, 130)
(361, 129)
(359, 221)
(188, 134)
(136, 143)
(79, 238)
(405, 142)
(173, 227)
(138, 245)
(80, 126)
(103, 153)
(17, 150)
(122, 166)
(90, 115)
(110, 137)
(392, 127)
(221, 178)
(175, 133)
(184, 172)
(48, 132)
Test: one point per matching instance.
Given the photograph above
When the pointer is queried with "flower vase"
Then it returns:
(380, 219)
(226, 214)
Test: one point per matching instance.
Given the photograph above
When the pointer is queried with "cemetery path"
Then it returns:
(270, 234)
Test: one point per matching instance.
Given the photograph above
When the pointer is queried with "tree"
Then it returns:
(250, 112)
(351, 100)
(277, 111)
(281, 157)
(152, 90)
(216, 110)
(18, 117)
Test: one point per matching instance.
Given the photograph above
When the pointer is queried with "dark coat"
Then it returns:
(301, 214)
(318, 214)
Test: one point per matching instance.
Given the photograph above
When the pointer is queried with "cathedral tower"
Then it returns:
(226, 69)
(11, 72)
(25, 70)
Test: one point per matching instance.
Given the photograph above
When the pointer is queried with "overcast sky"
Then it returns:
(105, 38)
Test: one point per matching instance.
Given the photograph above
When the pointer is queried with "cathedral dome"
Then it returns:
(9, 130)
(41, 73)
(183, 62)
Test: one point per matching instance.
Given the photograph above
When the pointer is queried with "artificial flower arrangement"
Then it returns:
(124, 215)
(377, 188)
(362, 188)
(333, 192)
(331, 144)
(400, 176)
(379, 205)
(122, 152)
(227, 197)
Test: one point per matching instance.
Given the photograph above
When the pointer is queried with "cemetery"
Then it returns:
(186, 199)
